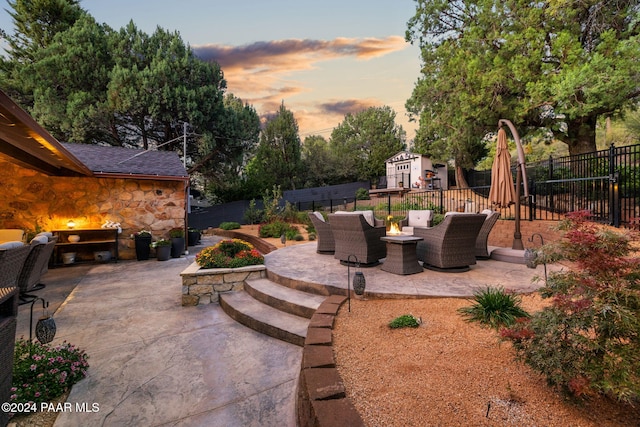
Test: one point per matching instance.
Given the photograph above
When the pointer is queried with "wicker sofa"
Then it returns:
(326, 243)
(482, 251)
(450, 245)
(354, 235)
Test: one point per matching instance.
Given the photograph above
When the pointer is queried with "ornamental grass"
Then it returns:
(230, 253)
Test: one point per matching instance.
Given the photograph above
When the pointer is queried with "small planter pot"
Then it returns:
(193, 238)
(177, 246)
(163, 253)
(143, 248)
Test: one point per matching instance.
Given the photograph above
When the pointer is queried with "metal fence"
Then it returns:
(605, 182)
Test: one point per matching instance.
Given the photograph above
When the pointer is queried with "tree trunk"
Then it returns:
(581, 135)
(461, 182)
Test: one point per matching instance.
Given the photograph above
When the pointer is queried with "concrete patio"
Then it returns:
(154, 362)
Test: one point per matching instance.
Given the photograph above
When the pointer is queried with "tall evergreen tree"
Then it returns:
(278, 159)
(364, 141)
(552, 67)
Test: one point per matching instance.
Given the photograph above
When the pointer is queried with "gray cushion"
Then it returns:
(11, 245)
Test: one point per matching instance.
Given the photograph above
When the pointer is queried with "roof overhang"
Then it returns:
(140, 176)
(26, 143)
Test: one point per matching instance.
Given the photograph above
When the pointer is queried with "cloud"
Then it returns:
(263, 73)
(295, 54)
(350, 106)
(256, 70)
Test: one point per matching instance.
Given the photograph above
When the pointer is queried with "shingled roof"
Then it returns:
(109, 160)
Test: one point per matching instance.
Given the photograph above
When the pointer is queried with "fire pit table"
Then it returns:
(401, 254)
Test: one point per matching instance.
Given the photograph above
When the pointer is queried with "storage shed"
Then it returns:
(415, 171)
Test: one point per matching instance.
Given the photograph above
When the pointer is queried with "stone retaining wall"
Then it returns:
(204, 285)
(321, 397)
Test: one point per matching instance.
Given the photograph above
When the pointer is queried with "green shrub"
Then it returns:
(405, 321)
(271, 200)
(229, 225)
(277, 229)
(312, 236)
(42, 372)
(494, 307)
(587, 341)
(176, 233)
(253, 215)
(298, 237)
(362, 194)
(437, 218)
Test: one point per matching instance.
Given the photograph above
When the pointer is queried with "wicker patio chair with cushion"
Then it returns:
(354, 235)
(34, 267)
(12, 258)
(482, 252)
(368, 215)
(326, 244)
(450, 245)
(416, 218)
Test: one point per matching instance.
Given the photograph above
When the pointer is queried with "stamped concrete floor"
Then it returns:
(155, 363)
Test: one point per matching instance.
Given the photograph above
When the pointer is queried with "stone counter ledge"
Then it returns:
(204, 285)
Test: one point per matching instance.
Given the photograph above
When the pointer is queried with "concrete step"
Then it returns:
(283, 298)
(509, 255)
(263, 318)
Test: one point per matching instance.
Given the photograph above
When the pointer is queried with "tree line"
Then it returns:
(555, 68)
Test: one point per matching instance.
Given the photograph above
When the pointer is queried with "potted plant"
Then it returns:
(143, 241)
(193, 236)
(177, 242)
(163, 249)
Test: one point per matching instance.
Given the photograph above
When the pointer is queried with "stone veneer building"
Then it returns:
(46, 183)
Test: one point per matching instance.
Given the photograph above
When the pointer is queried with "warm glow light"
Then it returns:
(71, 224)
(394, 229)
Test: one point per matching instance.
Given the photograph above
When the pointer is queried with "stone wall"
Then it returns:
(30, 200)
(204, 285)
(502, 233)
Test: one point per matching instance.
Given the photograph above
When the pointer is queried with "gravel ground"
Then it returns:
(449, 372)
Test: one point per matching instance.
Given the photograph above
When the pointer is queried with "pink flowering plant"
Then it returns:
(42, 372)
(230, 253)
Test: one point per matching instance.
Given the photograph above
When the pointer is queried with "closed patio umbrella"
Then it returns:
(502, 192)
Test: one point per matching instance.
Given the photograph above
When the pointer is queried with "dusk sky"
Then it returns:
(322, 59)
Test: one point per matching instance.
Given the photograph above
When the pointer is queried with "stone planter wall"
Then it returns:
(204, 285)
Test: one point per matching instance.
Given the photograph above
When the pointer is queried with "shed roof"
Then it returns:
(128, 162)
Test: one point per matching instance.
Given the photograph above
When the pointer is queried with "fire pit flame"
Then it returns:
(393, 229)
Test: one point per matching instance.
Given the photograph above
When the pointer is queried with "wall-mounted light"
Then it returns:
(71, 224)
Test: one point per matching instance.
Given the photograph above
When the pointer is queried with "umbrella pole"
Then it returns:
(520, 177)
(517, 236)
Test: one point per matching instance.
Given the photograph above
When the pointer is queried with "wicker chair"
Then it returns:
(33, 269)
(8, 313)
(416, 218)
(11, 262)
(326, 244)
(450, 245)
(482, 252)
(353, 235)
